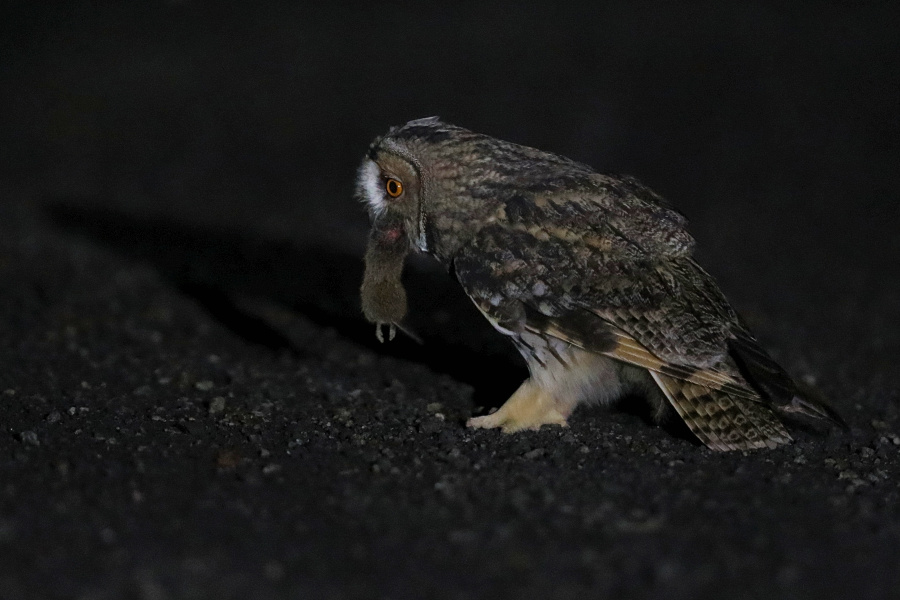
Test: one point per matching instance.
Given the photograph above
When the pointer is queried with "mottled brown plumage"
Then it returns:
(590, 275)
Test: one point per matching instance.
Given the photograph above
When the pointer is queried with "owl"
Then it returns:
(591, 276)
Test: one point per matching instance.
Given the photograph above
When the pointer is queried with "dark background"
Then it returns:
(192, 407)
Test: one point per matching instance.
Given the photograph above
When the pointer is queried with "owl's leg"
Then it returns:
(562, 377)
(529, 408)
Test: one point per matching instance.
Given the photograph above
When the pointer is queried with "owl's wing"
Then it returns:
(618, 215)
(662, 313)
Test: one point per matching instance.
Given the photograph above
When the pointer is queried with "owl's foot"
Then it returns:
(529, 408)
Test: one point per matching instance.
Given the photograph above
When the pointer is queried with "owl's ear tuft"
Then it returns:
(425, 121)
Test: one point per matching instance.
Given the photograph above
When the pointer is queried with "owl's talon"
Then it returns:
(528, 409)
(483, 422)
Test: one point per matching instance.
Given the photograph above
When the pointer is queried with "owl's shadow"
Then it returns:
(253, 286)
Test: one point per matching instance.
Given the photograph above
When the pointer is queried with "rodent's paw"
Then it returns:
(392, 331)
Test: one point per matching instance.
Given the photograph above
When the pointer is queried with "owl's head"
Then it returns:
(393, 180)
(404, 182)
(444, 182)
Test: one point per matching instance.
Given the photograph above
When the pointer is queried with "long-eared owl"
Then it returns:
(590, 275)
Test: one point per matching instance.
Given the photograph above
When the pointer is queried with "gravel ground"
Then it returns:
(192, 407)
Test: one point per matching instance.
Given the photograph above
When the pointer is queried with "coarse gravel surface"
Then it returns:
(191, 405)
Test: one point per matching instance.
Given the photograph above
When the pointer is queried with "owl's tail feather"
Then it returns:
(808, 407)
(721, 420)
(775, 384)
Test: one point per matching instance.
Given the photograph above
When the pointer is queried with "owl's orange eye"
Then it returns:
(393, 187)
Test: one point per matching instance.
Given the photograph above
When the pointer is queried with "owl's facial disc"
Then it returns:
(388, 182)
(370, 187)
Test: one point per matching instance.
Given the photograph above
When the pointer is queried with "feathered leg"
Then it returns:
(528, 408)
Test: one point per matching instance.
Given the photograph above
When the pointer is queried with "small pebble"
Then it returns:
(217, 405)
(30, 438)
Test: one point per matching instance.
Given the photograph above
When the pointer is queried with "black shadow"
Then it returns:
(223, 269)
